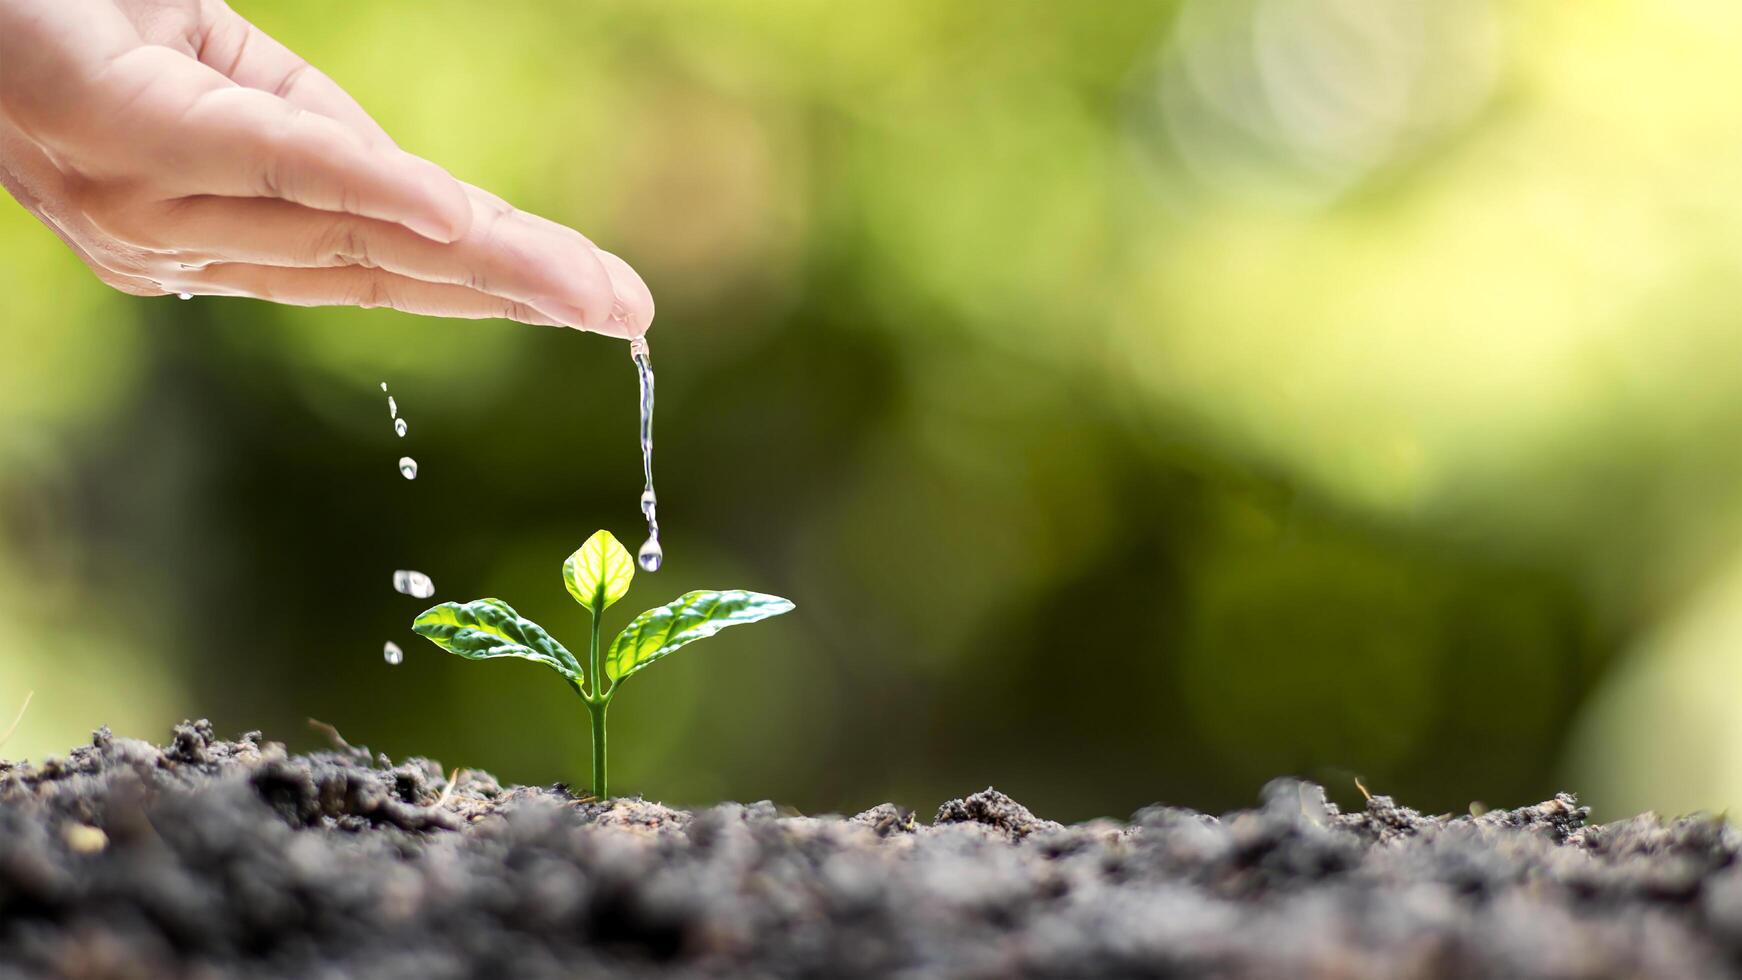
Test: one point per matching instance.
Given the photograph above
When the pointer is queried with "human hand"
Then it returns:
(177, 148)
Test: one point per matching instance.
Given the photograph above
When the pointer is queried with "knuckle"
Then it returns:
(490, 239)
(520, 312)
(289, 81)
(489, 231)
(261, 288)
(307, 154)
(372, 292)
(283, 151)
(342, 243)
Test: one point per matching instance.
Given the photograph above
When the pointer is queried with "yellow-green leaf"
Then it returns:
(692, 616)
(485, 628)
(599, 572)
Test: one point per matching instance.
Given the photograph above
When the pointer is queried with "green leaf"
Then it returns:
(599, 572)
(691, 617)
(485, 628)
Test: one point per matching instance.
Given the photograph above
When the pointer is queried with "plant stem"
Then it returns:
(597, 709)
(598, 677)
(596, 706)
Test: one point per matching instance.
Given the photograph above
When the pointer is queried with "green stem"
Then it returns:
(597, 709)
(596, 706)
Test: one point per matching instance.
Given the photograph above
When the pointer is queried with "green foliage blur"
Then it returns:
(1138, 400)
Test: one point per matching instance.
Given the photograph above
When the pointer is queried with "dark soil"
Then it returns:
(209, 858)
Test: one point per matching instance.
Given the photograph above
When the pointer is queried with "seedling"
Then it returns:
(597, 575)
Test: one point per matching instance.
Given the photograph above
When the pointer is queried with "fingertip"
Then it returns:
(586, 300)
(632, 308)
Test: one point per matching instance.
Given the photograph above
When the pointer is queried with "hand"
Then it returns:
(176, 148)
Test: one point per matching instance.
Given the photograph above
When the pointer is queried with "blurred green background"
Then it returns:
(1139, 400)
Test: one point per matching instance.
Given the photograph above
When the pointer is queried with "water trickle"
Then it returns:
(392, 408)
(184, 295)
(399, 427)
(651, 555)
(392, 654)
(408, 467)
(414, 584)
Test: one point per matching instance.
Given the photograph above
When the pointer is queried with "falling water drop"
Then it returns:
(652, 555)
(184, 295)
(408, 467)
(392, 654)
(392, 408)
(414, 584)
(383, 386)
(399, 427)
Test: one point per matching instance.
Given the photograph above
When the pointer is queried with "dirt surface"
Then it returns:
(210, 858)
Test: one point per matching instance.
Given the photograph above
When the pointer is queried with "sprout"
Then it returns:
(597, 575)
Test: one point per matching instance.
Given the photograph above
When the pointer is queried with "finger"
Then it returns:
(634, 307)
(355, 286)
(505, 253)
(250, 57)
(182, 118)
(632, 312)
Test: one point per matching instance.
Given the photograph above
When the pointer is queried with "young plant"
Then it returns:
(597, 575)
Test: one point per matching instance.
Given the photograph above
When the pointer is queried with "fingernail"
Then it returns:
(444, 228)
(632, 310)
(435, 231)
(449, 213)
(566, 314)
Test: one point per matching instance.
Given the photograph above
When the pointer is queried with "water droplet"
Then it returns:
(399, 427)
(392, 408)
(652, 555)
(414, 584)
(408, 467)
(383, 386)
(184, 295)
(649, 503)
(392, 654)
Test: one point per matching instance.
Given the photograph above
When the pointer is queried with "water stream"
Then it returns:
(652, 555)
